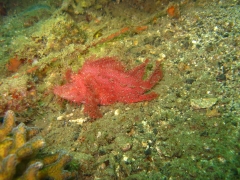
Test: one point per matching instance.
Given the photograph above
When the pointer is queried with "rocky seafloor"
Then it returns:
(191, 131)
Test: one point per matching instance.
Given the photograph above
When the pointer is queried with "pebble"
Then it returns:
(79, 121)
(124, 143)
(60, 118)
(116, 112)
(203, 103)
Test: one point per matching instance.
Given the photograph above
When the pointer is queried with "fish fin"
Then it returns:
(138, 71)
(92, 100)
(156, 76)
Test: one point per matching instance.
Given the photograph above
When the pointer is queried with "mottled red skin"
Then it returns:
(105, 81)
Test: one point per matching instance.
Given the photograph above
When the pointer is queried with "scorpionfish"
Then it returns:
(106, 81)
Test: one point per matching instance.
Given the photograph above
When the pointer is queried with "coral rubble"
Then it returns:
(18, 146)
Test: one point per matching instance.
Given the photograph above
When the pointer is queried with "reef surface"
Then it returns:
(190, 131)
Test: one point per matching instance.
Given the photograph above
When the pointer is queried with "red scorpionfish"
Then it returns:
(106, 81)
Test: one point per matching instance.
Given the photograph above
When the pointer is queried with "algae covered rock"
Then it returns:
(76, 6)
(51, 36)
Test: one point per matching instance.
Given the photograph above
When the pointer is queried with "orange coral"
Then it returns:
(173, 11)
(18, 147)
(13, 64)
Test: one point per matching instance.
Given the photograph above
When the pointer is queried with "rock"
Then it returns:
(202, 103)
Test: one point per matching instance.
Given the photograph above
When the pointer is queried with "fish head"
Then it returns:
(74, 92)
